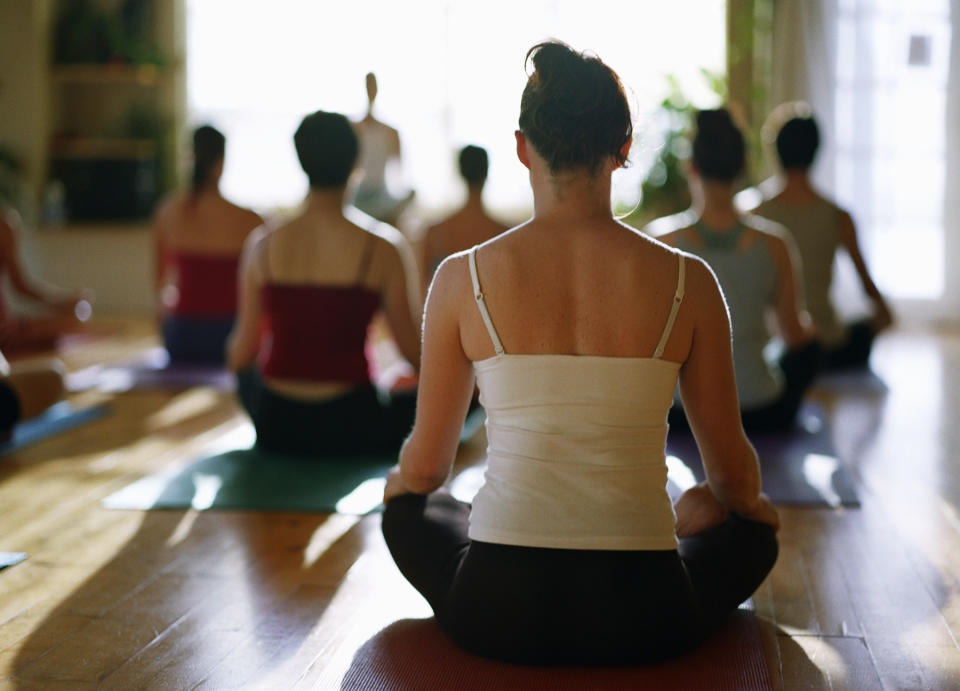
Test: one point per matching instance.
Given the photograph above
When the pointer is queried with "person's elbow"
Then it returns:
(422, 472)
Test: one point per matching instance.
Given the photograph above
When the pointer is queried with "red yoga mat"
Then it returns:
(414, 654)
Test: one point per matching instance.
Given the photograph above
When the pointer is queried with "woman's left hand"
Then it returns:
(394, 485)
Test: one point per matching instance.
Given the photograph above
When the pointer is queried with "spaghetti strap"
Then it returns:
(674, 308)
(472, 261)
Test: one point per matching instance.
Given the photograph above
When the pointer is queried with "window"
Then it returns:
(891, 91)
(450, 73)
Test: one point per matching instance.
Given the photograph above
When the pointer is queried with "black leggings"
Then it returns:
(362, 422)
(855, 350)
(800, 367)
(535, 605)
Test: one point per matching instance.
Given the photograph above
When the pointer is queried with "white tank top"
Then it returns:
(575, 446)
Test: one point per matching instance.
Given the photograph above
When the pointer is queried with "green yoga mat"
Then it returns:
(257, 480)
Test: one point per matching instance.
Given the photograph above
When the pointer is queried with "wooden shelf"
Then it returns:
(107, 74)
(97, 147)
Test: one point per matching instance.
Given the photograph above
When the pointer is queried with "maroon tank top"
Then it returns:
(207, 285)
(316, 332)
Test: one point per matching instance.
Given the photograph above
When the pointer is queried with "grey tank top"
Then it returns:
(748, 278)
(815, 228)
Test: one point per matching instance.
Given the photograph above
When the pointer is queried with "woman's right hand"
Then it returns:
(763, 512)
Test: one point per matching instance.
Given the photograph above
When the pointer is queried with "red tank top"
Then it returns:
(207, 284)
(316, 332)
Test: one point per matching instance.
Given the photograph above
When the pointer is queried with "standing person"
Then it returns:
(821, 229)
(469, 226)
(577, 328)
(198, 238)
(65, 312)
(379, 156)
(308, 291)
(756, 266)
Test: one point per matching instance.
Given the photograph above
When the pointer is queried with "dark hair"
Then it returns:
(327, 148)
(473, 164)
(209, 145)
(573, 110)
(797, 142)
(719, 151)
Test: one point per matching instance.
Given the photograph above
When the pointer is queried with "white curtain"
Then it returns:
(876, 73)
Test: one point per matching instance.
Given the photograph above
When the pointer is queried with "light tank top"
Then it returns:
(815, 228)
(575, 446)
(748, 278)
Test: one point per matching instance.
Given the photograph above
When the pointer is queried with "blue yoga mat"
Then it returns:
(800, 466)
(11, 558)
(57, 419)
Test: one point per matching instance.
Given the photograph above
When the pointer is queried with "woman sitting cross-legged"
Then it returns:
(308, 291)
(756, 265)
(577, 329)
(199, 236)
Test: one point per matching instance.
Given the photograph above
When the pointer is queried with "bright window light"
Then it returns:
(450, 73)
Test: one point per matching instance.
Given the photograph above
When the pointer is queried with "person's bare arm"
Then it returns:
(790, 306)
(848, 238)
(23, 284)
(244, 341)
(446, 387)
(709, 392)
(401, 301)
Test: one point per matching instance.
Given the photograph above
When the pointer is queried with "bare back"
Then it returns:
(605, 290)
(206, 224)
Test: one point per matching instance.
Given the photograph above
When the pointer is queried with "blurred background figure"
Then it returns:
(379, 165)
(756, 266)
(469, 226)
(27, 389)
(308, 292)
(820, 228)
(199, 236)
(64, 312)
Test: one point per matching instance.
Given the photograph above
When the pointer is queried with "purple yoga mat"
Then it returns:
(153, 370)
(799, 466)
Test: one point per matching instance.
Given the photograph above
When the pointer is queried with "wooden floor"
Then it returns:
(862, 598)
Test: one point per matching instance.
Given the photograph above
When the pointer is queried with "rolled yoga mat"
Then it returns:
(800, 466)
(54, 420)
(413, 654)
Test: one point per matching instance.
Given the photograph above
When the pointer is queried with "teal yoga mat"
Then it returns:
(56, 419)
(257, 480)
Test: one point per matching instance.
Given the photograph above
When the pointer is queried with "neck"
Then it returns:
(796, 179)
(717, 209)
(571, 196)
(474, 197)
(325, 200)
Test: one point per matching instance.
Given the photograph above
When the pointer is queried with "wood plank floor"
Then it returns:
(863, 598)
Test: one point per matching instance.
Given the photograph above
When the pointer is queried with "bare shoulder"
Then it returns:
(452, 277)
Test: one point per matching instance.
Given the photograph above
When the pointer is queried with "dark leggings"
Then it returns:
(196, 340)
(800, 367)
(855, 351)
(535, 605)
(358, 423)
